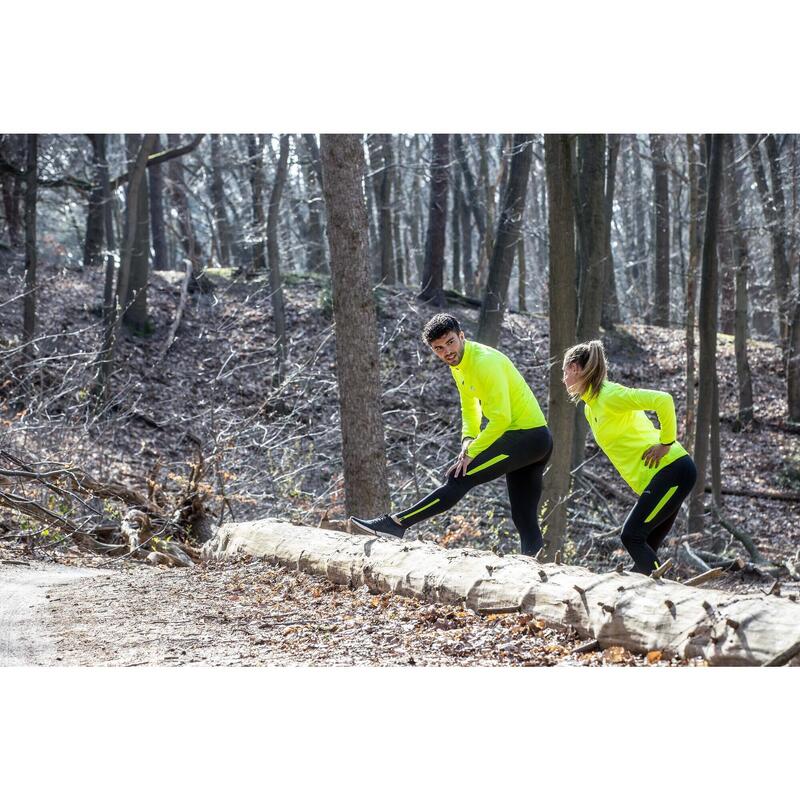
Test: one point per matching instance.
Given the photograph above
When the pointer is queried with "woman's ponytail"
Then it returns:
(591, 358)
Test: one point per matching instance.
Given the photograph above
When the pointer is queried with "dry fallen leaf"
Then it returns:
(614, 654)
(653, 656)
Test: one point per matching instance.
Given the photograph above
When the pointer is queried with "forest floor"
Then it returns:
(250, 613)
(271, 447)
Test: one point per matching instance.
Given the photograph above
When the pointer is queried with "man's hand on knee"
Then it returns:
(460, 467)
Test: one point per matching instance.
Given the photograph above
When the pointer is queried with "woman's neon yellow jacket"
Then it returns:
(489, 385)
(623, 431)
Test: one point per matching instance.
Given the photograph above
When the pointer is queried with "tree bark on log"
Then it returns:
(626, 609)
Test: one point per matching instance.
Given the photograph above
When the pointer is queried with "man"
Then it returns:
(515, 441)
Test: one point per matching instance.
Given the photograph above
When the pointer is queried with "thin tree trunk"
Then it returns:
(714, 454)
(522, 269)
(590, 213)
(355, 320)
(455, 228)
(397, 236)
(105, 358)
(610, 311)
(93, 242)
(466, 241)
(11, 189)
(780, 270)
(111, 244)
(475, 206)
(592, 204)
(218, 203)
(275, 280)
(31, 289)
(562, 319)
(639, 275)
(487, 243)
(509, 230)
(691, 285)
(180, 201)
(734, 185)
(661, 233)
(135, 301)
(433, 271)
(708, 329)
(155, 180)
(256, 169)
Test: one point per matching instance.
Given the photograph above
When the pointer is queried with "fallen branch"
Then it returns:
(738, 534)
(785, 657)
(694, 559)
(715, 572)
(762, 494)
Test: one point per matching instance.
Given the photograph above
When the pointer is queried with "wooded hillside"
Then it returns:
(170, 332)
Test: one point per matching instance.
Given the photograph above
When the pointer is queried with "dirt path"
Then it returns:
(250, 613)
(26, 635)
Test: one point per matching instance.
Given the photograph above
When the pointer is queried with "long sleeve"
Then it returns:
(471, 414)
(650, 400)
(497, 409)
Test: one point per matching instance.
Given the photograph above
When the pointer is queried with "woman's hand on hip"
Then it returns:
(654, 454)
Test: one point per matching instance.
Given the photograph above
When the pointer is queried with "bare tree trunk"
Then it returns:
(791, 303)
(105, 357)
(455, 228)
(135, 302)
(155, 180)
(256, 169)
(487, 244)
(466, 241)
(110, 238)
(9, 147)
(31, 289)
(382, 170)
(357, 355)
(734, 184)
(563, 317)
(508, 234)
(691, 285)
(397, 236)
(780, 272)
(639, 275)
(433, 271)
(591, 231)
(472, 195)
(180, 201)
(218, 203)
(708, 329)
(522, 269)
(610, 311)
(273, 253)
(661, 233)
(93, 242)
(590, 213)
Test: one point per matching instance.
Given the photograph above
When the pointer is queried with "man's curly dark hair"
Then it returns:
(438, 325)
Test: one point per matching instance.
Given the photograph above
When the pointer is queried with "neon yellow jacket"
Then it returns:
(623, 431)
(489, 385)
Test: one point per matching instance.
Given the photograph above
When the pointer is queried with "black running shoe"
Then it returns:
(383, 526)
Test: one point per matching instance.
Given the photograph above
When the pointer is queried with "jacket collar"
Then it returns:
(469, 349)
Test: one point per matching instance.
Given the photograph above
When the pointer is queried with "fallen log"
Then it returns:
(625, 609)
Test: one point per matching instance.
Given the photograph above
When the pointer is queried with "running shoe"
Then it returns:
(384, 527)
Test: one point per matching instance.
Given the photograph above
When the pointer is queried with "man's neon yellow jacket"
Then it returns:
(623, 431)
(489, 385)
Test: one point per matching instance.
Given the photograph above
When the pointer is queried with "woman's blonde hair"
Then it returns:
(591, 358)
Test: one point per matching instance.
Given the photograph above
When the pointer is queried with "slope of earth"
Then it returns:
(273, 448)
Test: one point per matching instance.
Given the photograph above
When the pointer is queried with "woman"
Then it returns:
(651, 462)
